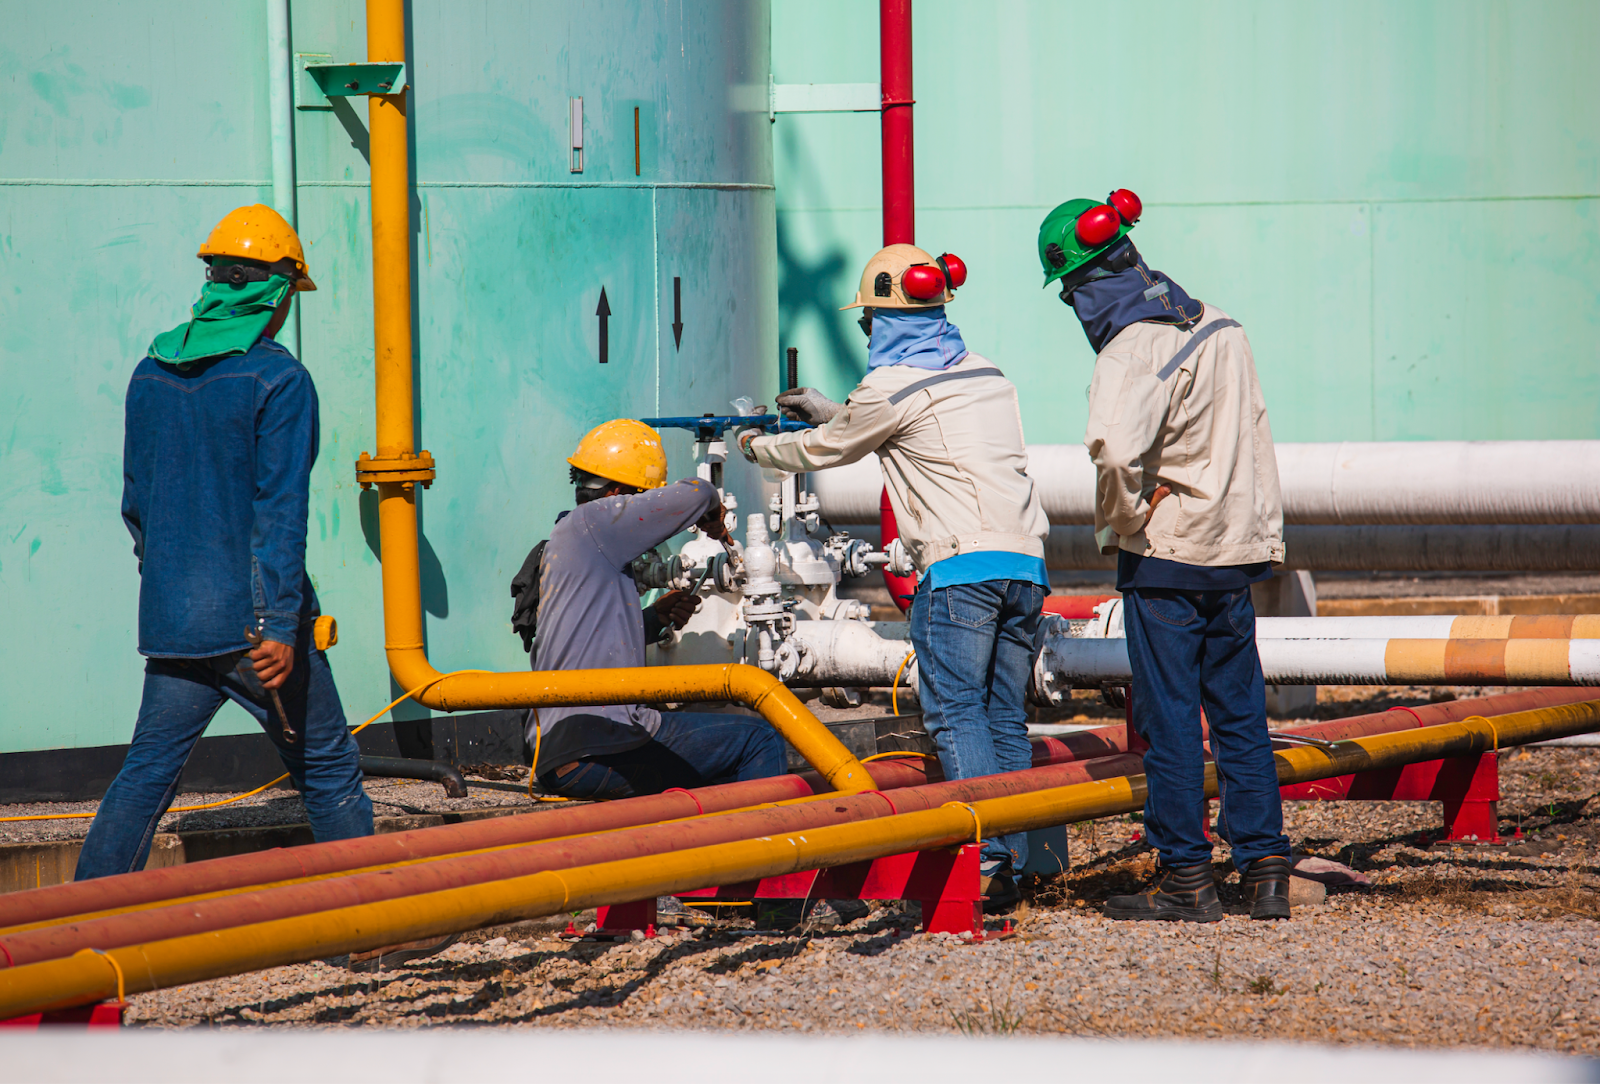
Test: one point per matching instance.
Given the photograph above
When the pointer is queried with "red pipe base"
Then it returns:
(944, 883)
(105, 1014)
(1469, 787)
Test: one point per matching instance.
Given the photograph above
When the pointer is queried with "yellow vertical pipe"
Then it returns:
(391, 235)
(391, 331)
(397, 510)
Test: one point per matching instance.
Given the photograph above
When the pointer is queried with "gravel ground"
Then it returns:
(1450, 945)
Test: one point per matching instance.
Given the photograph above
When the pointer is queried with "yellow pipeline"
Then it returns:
(397, 510)
(89, 977)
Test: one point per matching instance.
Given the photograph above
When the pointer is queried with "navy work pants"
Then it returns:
(1192, 650)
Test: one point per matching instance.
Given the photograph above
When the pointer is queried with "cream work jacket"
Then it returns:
(1184, 409)
(950, 445)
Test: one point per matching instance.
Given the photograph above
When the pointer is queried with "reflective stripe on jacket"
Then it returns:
(950, 445)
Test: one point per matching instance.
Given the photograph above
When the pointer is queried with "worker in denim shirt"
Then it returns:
(221, 436)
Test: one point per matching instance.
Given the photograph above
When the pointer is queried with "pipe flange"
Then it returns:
(405, 469)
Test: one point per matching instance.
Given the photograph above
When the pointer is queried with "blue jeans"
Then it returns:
(975, 652)
(180, 698)
(1192, 650)
(691, 749)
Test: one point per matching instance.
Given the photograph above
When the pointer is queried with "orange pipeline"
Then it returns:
(396, 469)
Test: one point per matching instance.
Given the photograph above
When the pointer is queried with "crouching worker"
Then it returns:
(1188, 501)
(589, 618)
(221, 436)
(948, 434)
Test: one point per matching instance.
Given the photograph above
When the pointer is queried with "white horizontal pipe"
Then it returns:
(853, 654)
(1340, 662)
(1414, 627)
(1350, 483)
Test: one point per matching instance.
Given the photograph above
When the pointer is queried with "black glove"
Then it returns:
(808, 405)
(675, 608)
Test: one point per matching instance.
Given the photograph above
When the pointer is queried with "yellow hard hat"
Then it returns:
(881, 282)
(259, 233)
(625, 451)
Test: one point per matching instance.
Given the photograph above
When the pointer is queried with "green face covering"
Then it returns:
(228, 319)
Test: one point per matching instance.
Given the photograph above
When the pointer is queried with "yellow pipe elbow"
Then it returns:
(394, 396)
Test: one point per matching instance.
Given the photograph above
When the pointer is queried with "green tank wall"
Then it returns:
(1399, 200)
(127, 130)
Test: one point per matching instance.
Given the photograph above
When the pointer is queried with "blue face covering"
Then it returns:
(1110, 301)
(921, 338)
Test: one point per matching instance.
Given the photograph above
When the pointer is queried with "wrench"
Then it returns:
(289, 735)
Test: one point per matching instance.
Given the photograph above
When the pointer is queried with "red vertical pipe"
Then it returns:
(899, 188)
(899, 196)
(901, 588)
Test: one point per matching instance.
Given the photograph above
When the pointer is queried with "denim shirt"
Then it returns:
(216, 477)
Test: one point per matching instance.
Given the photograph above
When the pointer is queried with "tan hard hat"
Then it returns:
(885, 292)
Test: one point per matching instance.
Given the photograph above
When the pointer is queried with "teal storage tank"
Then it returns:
(128, 130)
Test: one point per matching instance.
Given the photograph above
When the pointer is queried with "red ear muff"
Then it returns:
(1098, 225)
(955, 270)
(1127, 204)
(923, 281)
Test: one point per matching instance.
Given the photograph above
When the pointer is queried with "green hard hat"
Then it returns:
(1060, 252)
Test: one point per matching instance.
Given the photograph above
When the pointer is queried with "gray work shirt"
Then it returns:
(589, 615)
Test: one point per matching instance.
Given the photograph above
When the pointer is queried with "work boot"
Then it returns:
(1000, 892)
(1184, 894)
(1266, 887)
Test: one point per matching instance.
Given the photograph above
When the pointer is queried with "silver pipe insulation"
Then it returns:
(1087, 662)
(1349, 484)
(1428, 627)
(1424, 650)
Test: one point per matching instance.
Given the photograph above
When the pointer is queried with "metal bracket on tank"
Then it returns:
(406, 469)
(350, 80)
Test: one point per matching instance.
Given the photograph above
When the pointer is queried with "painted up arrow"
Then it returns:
(604, 312)
(677, 312)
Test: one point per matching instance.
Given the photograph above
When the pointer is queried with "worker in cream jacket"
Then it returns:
(1187, 498)
(948, 433)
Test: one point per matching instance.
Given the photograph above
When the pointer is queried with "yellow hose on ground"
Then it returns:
(894, 689)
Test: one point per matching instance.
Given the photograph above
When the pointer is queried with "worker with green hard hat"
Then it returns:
(1187, 498)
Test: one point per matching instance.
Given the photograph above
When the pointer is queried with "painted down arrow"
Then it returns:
(677, 312)
(603, 311)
